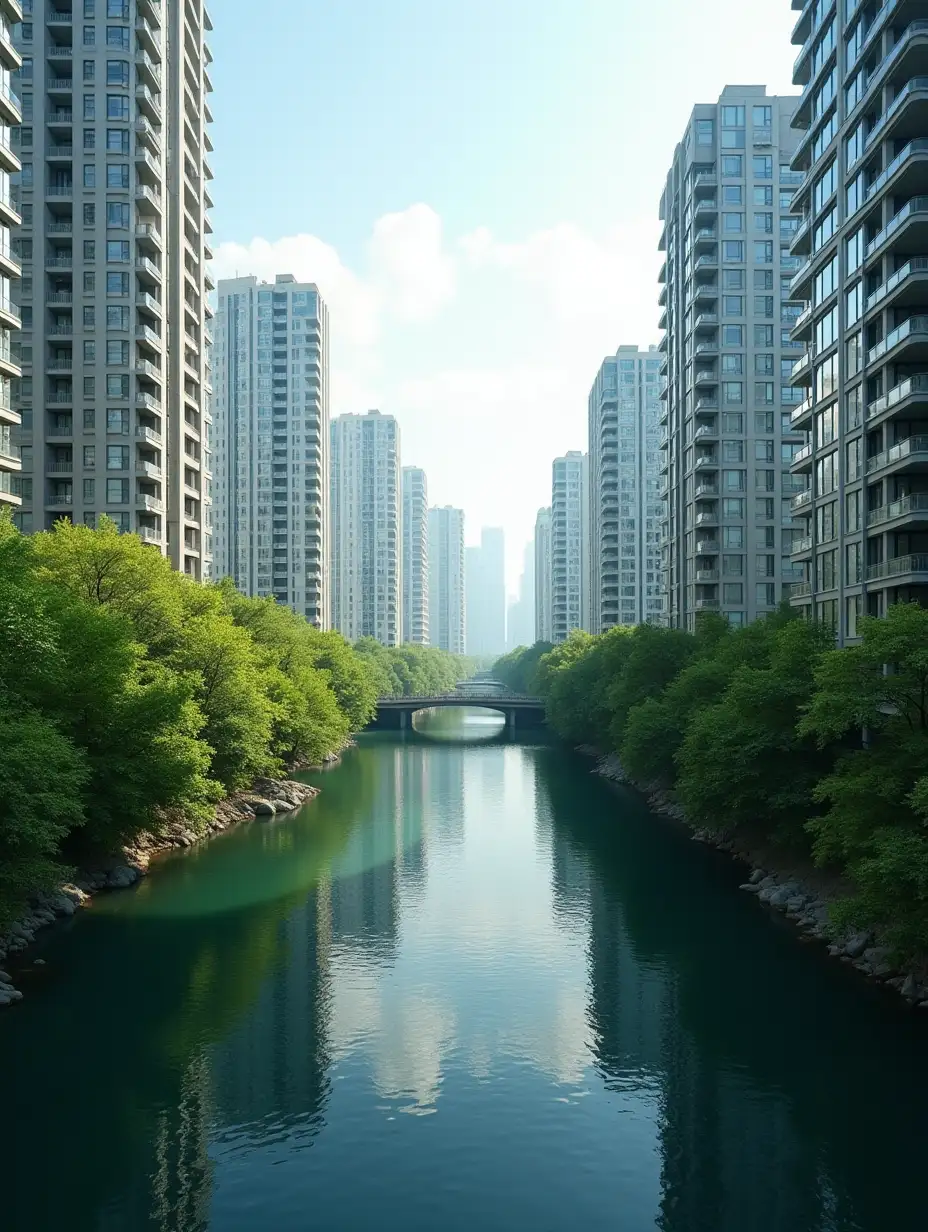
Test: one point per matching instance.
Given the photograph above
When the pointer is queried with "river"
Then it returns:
(470, 986)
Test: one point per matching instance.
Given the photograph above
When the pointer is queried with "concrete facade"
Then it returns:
(625, 504)
(271, 442)
(570, 557)
(862, 169)
(486, 594)
(415, 556)
(544, 631)
(115, 234)
(10, 371)
(366, 510)
(727, 312)
(447, 614)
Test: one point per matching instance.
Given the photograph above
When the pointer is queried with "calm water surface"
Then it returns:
(469, 987)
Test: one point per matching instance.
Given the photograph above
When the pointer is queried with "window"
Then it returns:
(733, 164)
(733, 117)
(117, 175)
(88, 70)
(733, 536)
(117, 215)
(733, 280)
(117, 141)
(732, 194)
(763, 335)
(117, 491)
(732, 566)
(732, 222)
(117, 317)
(732, 138)
(853, 402)
(825, 186)
(117, 107)
(705, 132)
(732, 592)
(117, 283)
(88, 488)
(826, 280)
(90, 138)
(89, 278)
(90, 389)
(733, 335)
(732, 391)
(117, 457)
(763, 451)
(826, 329)
(733, 507)
(90, 351)
(116, 387)
(761, 115)
(117, 72)
(117, 352)
(118, 9)
(826, 378)
(732, 421)
(855, 251)
(89, 7)
(765, 594)
(90, 453)
(90, 250)
(828, 569)
(733, 364)
(763, 305)
(762, 165)
(90, 36)
(852, 564)
(732, 451)
(763, 221)
(764, 393)
(852, 460)
(855, 195)
(26, 176)
(26, 30)
(764, 479)
(733, 305)
(117, 250)
(117, 36)
(826, 474)
(826, 426)
(732, 250)
(89, 107)
(854, 145)
(825, 229)
(89, 213)
(763, 509)
(90, 175)
(763, 195)
(852, 512)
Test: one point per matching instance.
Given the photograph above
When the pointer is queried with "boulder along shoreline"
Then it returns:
(265, 799)
(784, 890)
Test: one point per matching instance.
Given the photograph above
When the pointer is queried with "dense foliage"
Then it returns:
(128, 692)
(770, 731)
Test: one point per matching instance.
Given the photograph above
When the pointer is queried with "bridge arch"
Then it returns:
(396, 713)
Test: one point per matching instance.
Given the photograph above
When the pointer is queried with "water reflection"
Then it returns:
(486, 941)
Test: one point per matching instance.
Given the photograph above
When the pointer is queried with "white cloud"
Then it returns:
(415, 275)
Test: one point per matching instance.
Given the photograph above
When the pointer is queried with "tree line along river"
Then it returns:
(469, 986)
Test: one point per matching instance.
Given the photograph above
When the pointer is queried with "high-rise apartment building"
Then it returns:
(10, 482)
(366, 511)
(728, 311)
(520, 620)
(486, 594)
(114, 242)
(625, 501)
(543, 592)
(447, 620)
(570, 576)
(862, 247)
(415, 556)
(271, 442)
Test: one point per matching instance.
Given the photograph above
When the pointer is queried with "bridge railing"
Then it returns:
(503, 699)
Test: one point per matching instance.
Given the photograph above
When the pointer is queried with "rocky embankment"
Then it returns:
(805, 905)
(266, 799)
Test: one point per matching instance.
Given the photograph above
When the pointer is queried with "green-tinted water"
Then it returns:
(470, 986)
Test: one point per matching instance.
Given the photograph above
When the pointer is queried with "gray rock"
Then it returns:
(769, 882)
(765, 893)
(122, 876)
(796, 903)
(283, 805)
(856, 945)
(5, 979)
(751, 889)
(264, 808)
(910, 988)
(779, 898)
(878, 962)
(39, 962)
(757, 876)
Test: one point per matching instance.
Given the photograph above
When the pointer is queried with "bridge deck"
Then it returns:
(493, 700)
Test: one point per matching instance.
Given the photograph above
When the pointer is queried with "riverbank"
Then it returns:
(802, 893)
(265, 799)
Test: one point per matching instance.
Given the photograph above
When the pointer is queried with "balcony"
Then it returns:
(802, 548)
(907, 455)
(801, 500)
(907, 286)
(802, 370)
(802, 326)
(709, 518)
(906, 115)
(908, 230)
(705, 378)
(707, 605)
(907, 171)
(706, 491)
(909, 510)
(705, 182)
(147, 470)
(908, 399)
(802, 459)
(906, 343)
(708, 462)
(704, 576)
(706, 432)
(900, 570)
(706, 322)
(149, 435)
(800, 590)
(707, 547)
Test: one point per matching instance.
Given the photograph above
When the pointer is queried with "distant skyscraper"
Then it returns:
(366, 535)
(625, 504)
(486, 594)
(569, 545)
(415, 556)
(521, 621)
(446, 579)
(271, 442)
(543, 594)
(728, 353)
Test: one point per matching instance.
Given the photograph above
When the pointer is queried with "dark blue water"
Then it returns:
(471, 986)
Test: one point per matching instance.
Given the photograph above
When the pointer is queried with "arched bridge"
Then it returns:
(395, 713)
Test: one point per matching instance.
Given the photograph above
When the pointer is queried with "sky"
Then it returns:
(474, 186)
